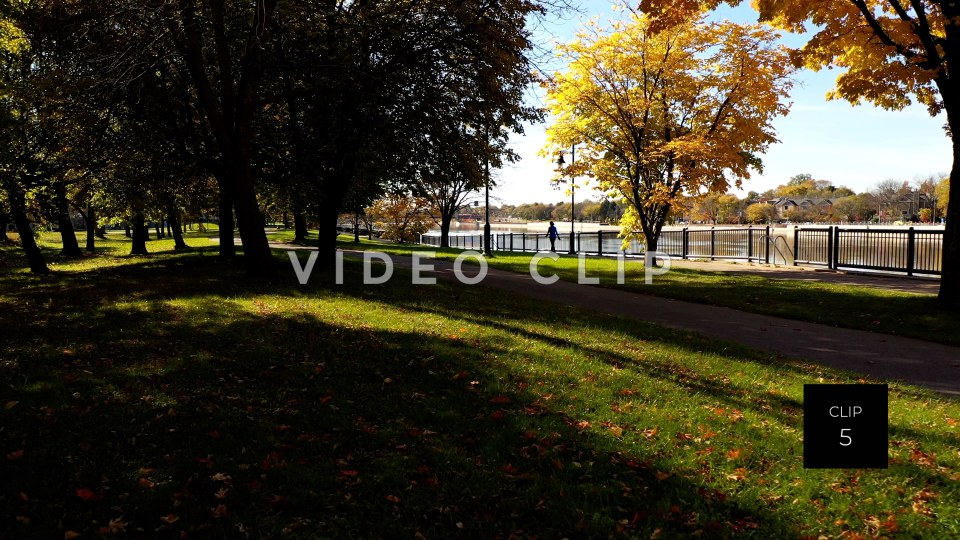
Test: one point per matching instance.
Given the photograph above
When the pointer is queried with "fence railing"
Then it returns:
(909, 251)
(750, 244)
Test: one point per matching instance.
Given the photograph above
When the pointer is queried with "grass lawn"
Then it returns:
(862, 308)
(172, 396)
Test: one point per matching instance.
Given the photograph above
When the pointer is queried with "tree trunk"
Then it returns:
(27, 241)
(356, 227)
(91, 229)
(67, 234)
(174, 223)
(949, 296)
(299, 224)
(227, 250)
(140, 236)
(159, 228)
(257, 256)
(126, 230)
(327, 239)
(445, 220)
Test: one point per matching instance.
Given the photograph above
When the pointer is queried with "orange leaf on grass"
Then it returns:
(87, 495)
(738, 474)
(393, 498)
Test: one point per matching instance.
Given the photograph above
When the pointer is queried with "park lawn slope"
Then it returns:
(171, 394)
(860, 308)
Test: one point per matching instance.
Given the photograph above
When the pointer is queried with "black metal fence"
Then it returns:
(912, 251)
(909, 251)
(749, 244)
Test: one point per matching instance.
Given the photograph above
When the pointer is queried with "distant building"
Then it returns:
(810, 205)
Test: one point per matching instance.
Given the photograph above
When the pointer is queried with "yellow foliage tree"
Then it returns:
(761, 213)
(942, 195)
(659, 116)
(890, 53)
(403, 218)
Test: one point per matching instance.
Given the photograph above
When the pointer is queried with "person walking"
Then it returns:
(552, 234)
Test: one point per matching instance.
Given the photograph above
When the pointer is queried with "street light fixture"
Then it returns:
(573, 188)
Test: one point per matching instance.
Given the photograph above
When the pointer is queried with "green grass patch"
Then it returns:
(858, 307)
(172, 395)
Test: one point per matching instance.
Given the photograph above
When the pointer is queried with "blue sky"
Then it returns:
(832, 140)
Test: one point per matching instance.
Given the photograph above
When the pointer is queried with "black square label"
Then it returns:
(844, 426)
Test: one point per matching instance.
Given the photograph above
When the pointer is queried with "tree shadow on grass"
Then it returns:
(167, 420)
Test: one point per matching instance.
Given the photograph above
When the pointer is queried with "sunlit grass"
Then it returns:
(859, 307)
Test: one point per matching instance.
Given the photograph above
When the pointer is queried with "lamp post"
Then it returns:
(486, 211)
(573, 188)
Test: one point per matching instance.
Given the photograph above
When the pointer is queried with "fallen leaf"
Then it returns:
(170, 518)
(146, 483)
(393, 498)
(115, 526)
(662, 475)
(733, 454)
(738, 474)
(616, 431)
(10, 404)
(500, 399)
(67, 535)
(87, 495)
(14, 456)
(219, 512)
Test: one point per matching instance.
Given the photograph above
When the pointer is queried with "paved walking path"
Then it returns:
(881, 356)
(922, 285)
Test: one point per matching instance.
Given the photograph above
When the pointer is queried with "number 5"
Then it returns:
(845, 436)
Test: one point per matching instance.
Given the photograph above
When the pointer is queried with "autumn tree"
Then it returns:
(891, 52)
(403, 218)
(942, 196)
(660, 116)
(760, 213)
(855, 208)
(717, 208)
